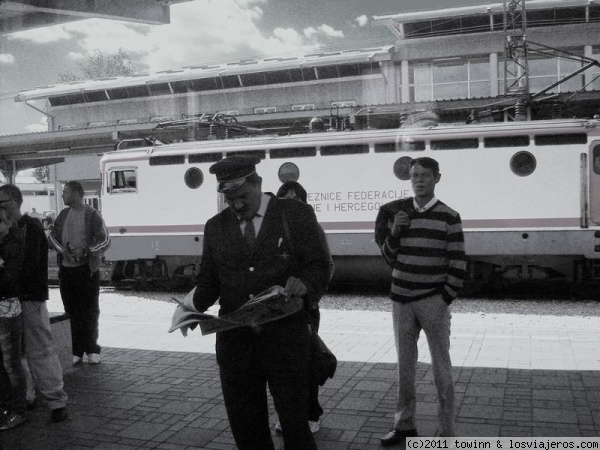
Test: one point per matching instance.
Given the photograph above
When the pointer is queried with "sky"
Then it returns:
(200, 31)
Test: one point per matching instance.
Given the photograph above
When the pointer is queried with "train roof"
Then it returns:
(446, 131)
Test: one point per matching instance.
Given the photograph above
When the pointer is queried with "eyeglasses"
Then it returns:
(4, 201)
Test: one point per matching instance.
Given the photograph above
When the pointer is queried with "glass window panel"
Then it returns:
(539, 83)
(368, 69)
(420, 75)
(278, 76)
(348, 70)
(480, 70)
(328, 72)
(95, 96)
(302, 74)
(138, 91)
(449, 91)
(480, 89)
(293, 152)
(181, 86)
(542, 67)
(574, 84)
(118, 93)
(567, 66)
(332, 150)
(230, 81)
(75, 98)
(449, 73)
(253, 79)
(59, 101)
(159, 89)
(422, 94)
(206, 84)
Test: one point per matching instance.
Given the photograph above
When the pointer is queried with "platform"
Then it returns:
(523, 376)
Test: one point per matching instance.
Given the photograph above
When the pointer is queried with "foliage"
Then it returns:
(42, 174)
(99, 65)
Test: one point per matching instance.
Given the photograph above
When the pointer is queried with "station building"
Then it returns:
(449, 60)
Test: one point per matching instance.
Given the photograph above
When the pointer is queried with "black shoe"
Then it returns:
(12, 420)
(59, 415)
(396, 437)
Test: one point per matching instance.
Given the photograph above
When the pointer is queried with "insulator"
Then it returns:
(316, 124)
(557, 110)
(521, 111)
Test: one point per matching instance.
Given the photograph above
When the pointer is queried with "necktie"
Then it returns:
(250, 234)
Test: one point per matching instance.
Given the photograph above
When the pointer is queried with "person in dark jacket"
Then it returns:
(41, 360)
(245, 252)
(294, 190)
(80, 237)
(12, 377)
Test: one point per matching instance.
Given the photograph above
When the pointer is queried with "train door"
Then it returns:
(595, 182)
(92, 198)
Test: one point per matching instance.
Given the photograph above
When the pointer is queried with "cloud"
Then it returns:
(37, 127)
(76, 56)
(362, 21)
(44, 35)
(330, 31)
(7, 58)
(322, 30)
(200, 31)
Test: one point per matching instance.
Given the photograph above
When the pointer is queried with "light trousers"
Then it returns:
(432, 315)
(42, 366)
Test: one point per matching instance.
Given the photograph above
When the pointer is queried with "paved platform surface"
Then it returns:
(514, 376)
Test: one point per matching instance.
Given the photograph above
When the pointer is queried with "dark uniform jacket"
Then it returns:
(33, 277)
(11, 254)
(230, 272)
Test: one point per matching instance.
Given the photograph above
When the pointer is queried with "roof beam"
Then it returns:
(18, 15)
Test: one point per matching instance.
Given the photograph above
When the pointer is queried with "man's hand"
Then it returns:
(401, 219)
(294, 287)
(78, 253)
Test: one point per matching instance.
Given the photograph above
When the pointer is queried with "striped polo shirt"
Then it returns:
(429, 255)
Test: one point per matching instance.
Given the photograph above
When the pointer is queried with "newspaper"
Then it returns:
(265, 307)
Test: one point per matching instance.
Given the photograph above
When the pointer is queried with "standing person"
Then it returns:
(41, 358)
(246, 251)
(12, 377)
(423, 239)
(294, 190)
(35, 215)
(80, 237)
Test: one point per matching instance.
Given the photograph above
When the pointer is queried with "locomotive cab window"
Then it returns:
(596, 159)
(122, 181)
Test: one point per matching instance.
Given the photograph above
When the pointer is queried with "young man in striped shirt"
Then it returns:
(422, 239)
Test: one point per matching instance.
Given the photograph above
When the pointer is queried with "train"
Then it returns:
(528, 193)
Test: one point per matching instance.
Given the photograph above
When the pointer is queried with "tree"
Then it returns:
(42, 174)
(99, 65)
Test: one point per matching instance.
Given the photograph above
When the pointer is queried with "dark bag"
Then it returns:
(323, 361)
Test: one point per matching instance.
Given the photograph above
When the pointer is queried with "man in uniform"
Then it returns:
(247, 250)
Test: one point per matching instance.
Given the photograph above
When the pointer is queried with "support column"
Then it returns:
(589, 74)
(494, 81)
(405, 82)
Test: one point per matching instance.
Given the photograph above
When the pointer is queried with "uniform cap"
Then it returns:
(232, 171)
